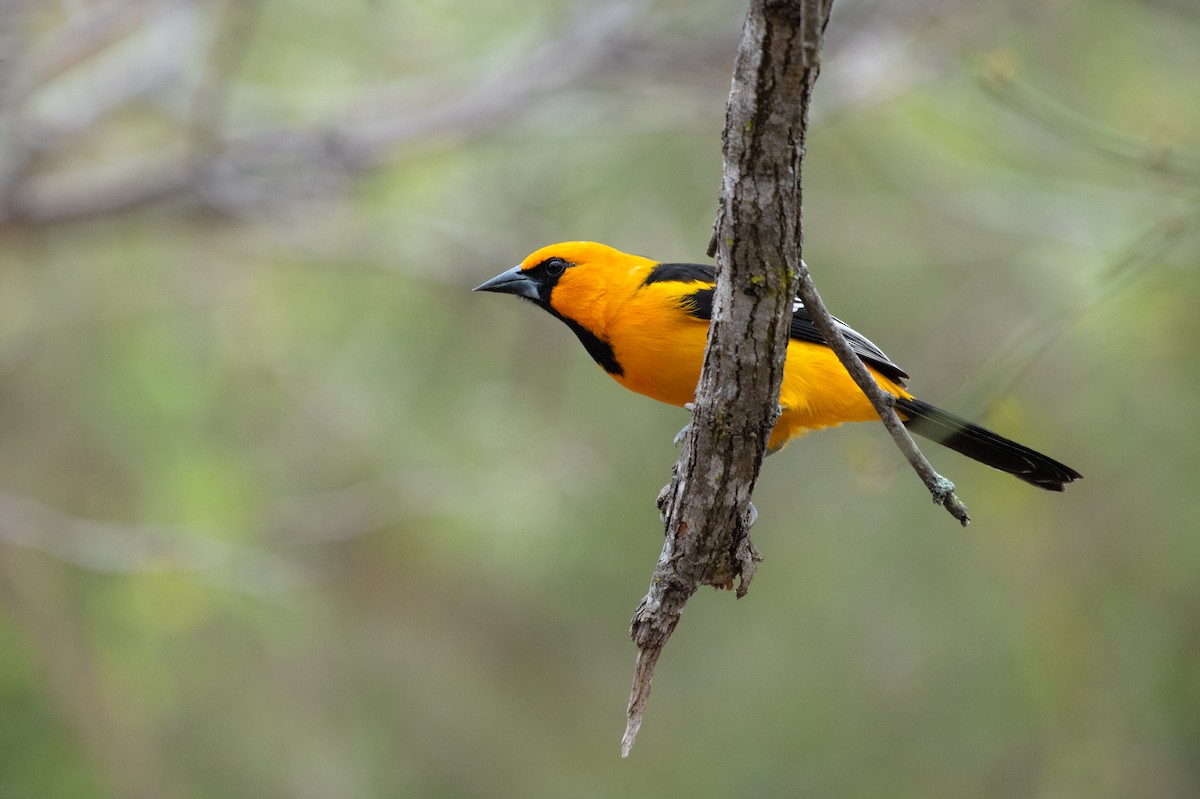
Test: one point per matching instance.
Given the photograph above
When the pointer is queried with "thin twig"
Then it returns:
(269, 165)
(1158, 153)
(940, 488)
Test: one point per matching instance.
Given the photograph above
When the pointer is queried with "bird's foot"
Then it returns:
(689, 407)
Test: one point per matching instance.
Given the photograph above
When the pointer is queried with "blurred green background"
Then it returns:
(285, 511)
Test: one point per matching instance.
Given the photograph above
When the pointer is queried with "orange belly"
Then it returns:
(818, 392)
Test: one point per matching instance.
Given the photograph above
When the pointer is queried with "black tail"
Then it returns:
(984, 446)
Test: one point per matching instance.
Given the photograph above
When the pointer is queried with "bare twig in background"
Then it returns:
(229, 47)
(38, 599)
(212, 164)
(275, 164)
(1157, 152)
(133, 549)
(268, 568)
(1137, 258)
(87, 32)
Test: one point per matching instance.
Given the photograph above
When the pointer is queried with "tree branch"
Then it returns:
(757, 239)
(1157, 151)
(236, 171)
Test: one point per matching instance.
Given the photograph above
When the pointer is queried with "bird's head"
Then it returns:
(580, 282)
(567, 277)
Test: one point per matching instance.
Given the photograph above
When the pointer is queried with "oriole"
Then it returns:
(646, 324)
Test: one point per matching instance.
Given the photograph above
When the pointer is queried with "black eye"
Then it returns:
(555, 267)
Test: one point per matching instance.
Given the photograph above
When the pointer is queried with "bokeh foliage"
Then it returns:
(286, 511)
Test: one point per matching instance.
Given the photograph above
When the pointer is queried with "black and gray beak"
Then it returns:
(513, 281)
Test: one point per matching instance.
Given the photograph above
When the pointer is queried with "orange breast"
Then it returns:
(660, 351)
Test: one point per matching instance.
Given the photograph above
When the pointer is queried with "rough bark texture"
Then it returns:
(757, 239)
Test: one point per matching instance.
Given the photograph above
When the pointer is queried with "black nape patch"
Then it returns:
(680, 273)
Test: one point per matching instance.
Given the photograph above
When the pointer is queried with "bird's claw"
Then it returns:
(689, 407)
(679, 436)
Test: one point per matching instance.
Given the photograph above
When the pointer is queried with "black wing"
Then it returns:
(804, 329)
(699, 304)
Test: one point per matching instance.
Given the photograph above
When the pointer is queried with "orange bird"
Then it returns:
(646, 324)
